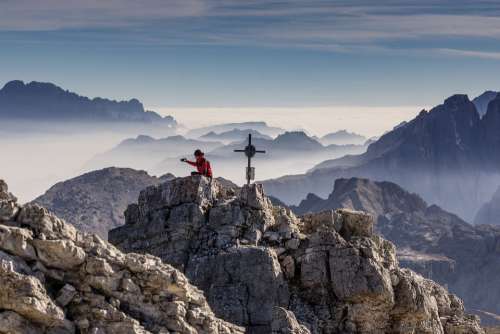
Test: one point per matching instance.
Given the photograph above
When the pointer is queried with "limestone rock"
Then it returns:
(57, 280)
(8, 207)
(263, 268)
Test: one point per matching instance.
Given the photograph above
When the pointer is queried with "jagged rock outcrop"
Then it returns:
(435, 243)
(95, 201)
(263, 268)
(55, 279)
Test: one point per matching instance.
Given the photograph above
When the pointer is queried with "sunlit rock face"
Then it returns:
(55, 279)
(263, 268)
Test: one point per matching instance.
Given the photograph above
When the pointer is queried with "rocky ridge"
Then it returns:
(489, 213)
(263, 268)
(58, 280)
(46, 101)
(435, 243)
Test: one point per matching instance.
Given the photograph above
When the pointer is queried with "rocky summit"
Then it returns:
(263, 268)
(57, 280)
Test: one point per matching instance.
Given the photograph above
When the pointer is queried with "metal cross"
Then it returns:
(250, 152)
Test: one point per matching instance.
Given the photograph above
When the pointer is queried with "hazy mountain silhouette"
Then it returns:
(48, 102)
(290, 143)
(145, 152)
(233, 135)
(261, 127)
(449, 155)
(342, 137)
(289, 152)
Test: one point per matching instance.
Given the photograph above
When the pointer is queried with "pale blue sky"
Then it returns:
(216, 53)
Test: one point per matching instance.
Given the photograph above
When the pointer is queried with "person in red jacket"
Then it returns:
(202, 165)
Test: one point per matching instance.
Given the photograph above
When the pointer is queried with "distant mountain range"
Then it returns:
(261, 127)
(342, 137)
(290, 143)
(233, 135)
(430, 240)
(288, 152)
(145, 152)
(95, 201)
(448, 155)
(39, 101)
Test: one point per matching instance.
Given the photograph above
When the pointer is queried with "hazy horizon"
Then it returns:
(367, 121)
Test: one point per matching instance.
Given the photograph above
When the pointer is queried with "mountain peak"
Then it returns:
(296, 139)
(238, 246)
(457, 100)
(13, 85)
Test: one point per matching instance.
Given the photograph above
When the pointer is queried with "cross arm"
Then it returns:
(239, 150)
(260, 151)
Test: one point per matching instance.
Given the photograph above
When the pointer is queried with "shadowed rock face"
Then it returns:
(55, 279)
(431, 241)
(94, 202)
(46, 101)
(481, 102)
(263, 268)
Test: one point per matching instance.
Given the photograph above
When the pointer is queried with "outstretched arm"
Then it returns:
(192, 163)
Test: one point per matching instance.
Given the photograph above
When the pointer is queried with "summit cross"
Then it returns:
(250, 152)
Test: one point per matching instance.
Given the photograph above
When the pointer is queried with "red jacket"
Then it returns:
(203, 166)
